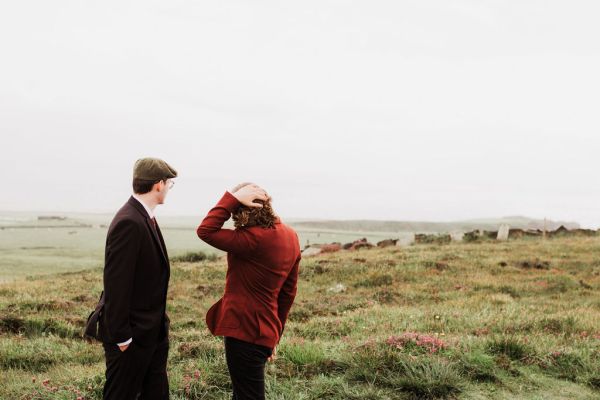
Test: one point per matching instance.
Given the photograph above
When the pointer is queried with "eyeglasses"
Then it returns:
(169, 182)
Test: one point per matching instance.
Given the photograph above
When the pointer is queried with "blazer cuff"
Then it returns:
(229, 202)
(125, 342)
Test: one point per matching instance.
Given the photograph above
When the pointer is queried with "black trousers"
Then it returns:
(246, 364)
(137, 373)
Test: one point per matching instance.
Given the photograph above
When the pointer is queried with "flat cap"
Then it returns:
(153, 169)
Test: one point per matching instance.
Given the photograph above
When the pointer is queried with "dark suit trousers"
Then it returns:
(246, 364)
(137, 373)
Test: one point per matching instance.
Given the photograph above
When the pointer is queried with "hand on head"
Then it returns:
(247, 192)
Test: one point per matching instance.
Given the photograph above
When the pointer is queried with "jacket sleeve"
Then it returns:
(239, 241)
(122, 248)
(287, 294)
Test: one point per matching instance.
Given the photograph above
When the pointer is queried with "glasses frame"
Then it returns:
(168, 182)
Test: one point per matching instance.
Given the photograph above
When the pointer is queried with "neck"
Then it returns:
(148, 199)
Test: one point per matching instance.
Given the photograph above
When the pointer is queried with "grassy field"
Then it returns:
(29, 247)
(516, 320)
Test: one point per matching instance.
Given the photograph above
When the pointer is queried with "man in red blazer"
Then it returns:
(262, 258)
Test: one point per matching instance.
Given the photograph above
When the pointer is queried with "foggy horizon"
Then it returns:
(110, 213)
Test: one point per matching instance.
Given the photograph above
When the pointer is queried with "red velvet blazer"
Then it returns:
(262, 272)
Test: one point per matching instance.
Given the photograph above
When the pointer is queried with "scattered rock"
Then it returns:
(503, 232)
(337, 288)
(387, 242)
(563, 231)
(358, 244)
(472, 236)
(490, 234)
(519, 233)
(330, 248)
(361, 246)
(311, 251)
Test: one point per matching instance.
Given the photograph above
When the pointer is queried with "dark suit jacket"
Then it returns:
(136, 279)
(261, 276)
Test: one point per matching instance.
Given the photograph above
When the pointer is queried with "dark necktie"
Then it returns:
(155, 228)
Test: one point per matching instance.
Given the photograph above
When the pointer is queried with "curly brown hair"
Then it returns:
(255, 216)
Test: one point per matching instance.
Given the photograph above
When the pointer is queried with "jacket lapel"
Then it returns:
(156, 238)
(160, 243)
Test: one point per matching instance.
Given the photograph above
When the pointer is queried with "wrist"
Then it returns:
(230, 201)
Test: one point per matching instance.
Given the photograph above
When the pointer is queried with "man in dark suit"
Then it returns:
(134, 325)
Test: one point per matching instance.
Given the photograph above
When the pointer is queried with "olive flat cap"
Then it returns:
(153, 169)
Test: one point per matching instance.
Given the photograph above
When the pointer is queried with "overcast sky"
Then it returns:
(404, 110)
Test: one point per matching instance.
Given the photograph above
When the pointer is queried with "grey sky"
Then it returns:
(418, 110)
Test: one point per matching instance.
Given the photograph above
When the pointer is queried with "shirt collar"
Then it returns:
(148, 210)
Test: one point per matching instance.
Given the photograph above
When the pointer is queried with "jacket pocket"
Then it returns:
(263, 328)
(258, 324)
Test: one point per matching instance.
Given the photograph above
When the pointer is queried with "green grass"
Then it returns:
(29, 247)
(194, 256)
(508, 332)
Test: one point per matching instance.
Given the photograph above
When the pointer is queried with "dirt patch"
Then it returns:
(534, 264)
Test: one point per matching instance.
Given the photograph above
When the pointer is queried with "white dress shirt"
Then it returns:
(151, 215)
(148, 209)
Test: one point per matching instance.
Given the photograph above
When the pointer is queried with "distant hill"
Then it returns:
(422, 226)
(89, 220)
